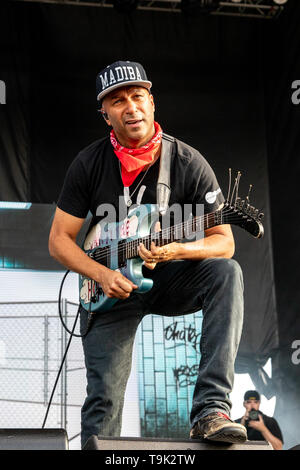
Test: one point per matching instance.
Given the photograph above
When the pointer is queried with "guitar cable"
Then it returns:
(71, 332)
(90, 315)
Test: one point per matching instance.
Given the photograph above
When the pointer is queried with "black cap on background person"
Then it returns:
(252, 395)
(260, 427)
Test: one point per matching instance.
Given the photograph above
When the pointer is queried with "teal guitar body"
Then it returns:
(115, 246)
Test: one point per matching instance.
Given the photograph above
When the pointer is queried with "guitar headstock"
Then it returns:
(244, 216)
(237, 211)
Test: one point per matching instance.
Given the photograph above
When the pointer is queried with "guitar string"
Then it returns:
(162, 234)
(165, 234)
(155, 237)
(129, 252)
(130, 245)
(170, 230)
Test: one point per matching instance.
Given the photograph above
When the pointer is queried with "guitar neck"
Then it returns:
(174, 233)
(240, 214)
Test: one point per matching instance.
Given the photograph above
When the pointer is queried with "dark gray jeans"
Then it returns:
(180, 287)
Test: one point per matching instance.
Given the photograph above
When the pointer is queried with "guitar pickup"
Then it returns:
(122, 253)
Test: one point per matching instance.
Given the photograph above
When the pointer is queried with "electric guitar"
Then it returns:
(115, 245)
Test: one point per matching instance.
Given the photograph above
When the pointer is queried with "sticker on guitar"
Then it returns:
(129, 227)
(87, 290)
(93, 238)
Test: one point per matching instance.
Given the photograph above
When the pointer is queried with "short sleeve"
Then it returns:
(274, 428)
(74, 197)
(202, 184)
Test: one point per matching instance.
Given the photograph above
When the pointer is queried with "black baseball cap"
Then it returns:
(252, 395)
(118, 74)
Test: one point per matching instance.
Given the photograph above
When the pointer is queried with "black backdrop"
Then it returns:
(222, 85)
(282, 116)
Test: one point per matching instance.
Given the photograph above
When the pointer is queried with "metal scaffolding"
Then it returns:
(262, 9)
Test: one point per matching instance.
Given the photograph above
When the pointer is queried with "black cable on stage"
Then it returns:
(89, 322)
(90, 315)
(60, 369)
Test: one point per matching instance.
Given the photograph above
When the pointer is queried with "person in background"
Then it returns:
(260, 427)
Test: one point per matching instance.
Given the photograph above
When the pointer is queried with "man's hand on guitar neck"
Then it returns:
(218, 242)
(157, 254)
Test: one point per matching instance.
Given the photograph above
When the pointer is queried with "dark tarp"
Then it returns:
(15, 115)
(212, 89)
(281, 70)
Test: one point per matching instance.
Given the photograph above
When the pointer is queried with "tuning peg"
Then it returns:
(248, 196)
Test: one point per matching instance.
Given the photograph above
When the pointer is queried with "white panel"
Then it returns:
(37, 286)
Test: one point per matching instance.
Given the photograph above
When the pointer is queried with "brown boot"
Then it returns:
(218, 426)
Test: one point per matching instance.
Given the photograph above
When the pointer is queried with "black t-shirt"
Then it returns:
(271, 424)
(94, 178)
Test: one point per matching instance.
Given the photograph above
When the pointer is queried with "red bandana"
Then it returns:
(134, 160)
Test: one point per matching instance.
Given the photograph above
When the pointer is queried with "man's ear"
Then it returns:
(152, 100)
(105, 116)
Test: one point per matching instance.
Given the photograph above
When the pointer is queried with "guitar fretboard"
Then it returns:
(242, 215)
(173, 233)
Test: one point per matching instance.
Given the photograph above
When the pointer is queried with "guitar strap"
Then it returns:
(163, 187)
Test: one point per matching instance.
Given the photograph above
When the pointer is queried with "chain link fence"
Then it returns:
(32, 344)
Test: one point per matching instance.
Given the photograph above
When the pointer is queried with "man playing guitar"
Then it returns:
(187, 276)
